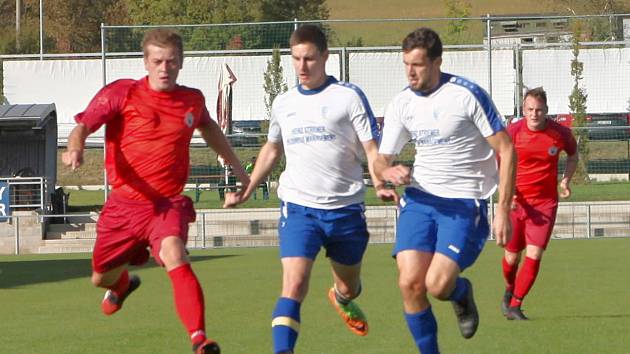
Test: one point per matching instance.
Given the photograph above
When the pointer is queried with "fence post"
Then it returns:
(104, 71)
(588, 221)
(203, 230)
(43, 192)
(17, 235)
(396, 222)
(344, 65)
(519, 81)
(489, 36)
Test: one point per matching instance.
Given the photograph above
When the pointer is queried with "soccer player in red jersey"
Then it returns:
(150, 123)
(538, 142)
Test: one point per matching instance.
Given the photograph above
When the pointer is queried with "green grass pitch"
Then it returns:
(580, 304)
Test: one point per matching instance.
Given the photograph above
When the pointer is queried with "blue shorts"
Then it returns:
(342, 232)
(455, 227)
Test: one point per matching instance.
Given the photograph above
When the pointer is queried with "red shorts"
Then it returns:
(127, 227)
(532, 225)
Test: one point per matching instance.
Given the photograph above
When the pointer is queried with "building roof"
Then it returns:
(35, 116)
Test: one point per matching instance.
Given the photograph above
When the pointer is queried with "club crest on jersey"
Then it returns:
(189, 119)
(553, 151)
(324, 112)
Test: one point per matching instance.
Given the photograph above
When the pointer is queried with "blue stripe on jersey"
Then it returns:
(373, 124)
(329, 80)
(493, 116)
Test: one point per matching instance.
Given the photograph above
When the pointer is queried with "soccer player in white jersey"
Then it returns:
(443, 224)
(324, 127)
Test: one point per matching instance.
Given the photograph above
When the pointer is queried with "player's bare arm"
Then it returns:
(569, 170)
(398, 175)
(502, 146)
(266, 160)
(73, 156)
(213, 136)
(371, 151)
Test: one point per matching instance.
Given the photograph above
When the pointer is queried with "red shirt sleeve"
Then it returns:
(106, 105)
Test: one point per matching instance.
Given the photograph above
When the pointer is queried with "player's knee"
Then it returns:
(173, 253)
(295, 288)
(411, 286)
(437, 286)
(512, 258)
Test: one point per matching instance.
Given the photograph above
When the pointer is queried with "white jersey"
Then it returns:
(322, 131)
(449, 127)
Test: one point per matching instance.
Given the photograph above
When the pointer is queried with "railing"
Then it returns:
(26, 192)
(258, 227)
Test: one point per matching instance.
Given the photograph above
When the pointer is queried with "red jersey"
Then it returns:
(147, 137)
(538, 152)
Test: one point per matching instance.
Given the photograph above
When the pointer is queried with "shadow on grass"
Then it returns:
(20, 273)
(582, 317)
(84, 208)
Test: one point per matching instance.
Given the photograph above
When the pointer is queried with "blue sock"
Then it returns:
(460, 291)
(423, 328)
(285, 324)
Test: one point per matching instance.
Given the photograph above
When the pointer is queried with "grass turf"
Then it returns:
(578, 305)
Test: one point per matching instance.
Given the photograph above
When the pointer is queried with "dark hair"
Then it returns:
(538, 93)
(423, 38)
(309, 34)
(162, 37)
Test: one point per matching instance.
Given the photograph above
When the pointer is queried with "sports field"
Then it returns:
(579, 304)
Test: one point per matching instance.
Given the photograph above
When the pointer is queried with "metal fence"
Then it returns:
(503, 54)
(26, 192)
(258, 228)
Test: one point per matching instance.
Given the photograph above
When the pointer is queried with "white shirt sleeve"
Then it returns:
(395, 134)
(362, 120)
(485, 115)
(275, 133)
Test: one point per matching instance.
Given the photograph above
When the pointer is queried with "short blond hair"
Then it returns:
(163, 37)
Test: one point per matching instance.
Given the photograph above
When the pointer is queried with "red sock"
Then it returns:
(121, 285)
(189, 301)
(509, 273)
(525, 280)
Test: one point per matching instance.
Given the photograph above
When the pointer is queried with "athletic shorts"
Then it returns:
(532, 225)
(455, 227)
(342, 232)
(127, 227)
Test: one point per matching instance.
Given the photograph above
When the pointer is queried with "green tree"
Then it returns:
(200, 12)
(274, 86)
(74, 25)
(287, 10)
(599, 28)
(457, 28)
(274, 80)
(577, 105)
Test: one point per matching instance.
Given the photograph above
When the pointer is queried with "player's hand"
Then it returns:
(72, 158)
(514, 204)
(565, 190)
(502, 227)
(398, 175)
(387, 195)
(232, 199)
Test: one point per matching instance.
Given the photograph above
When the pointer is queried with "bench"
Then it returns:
(210, 177)
(213, 177)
